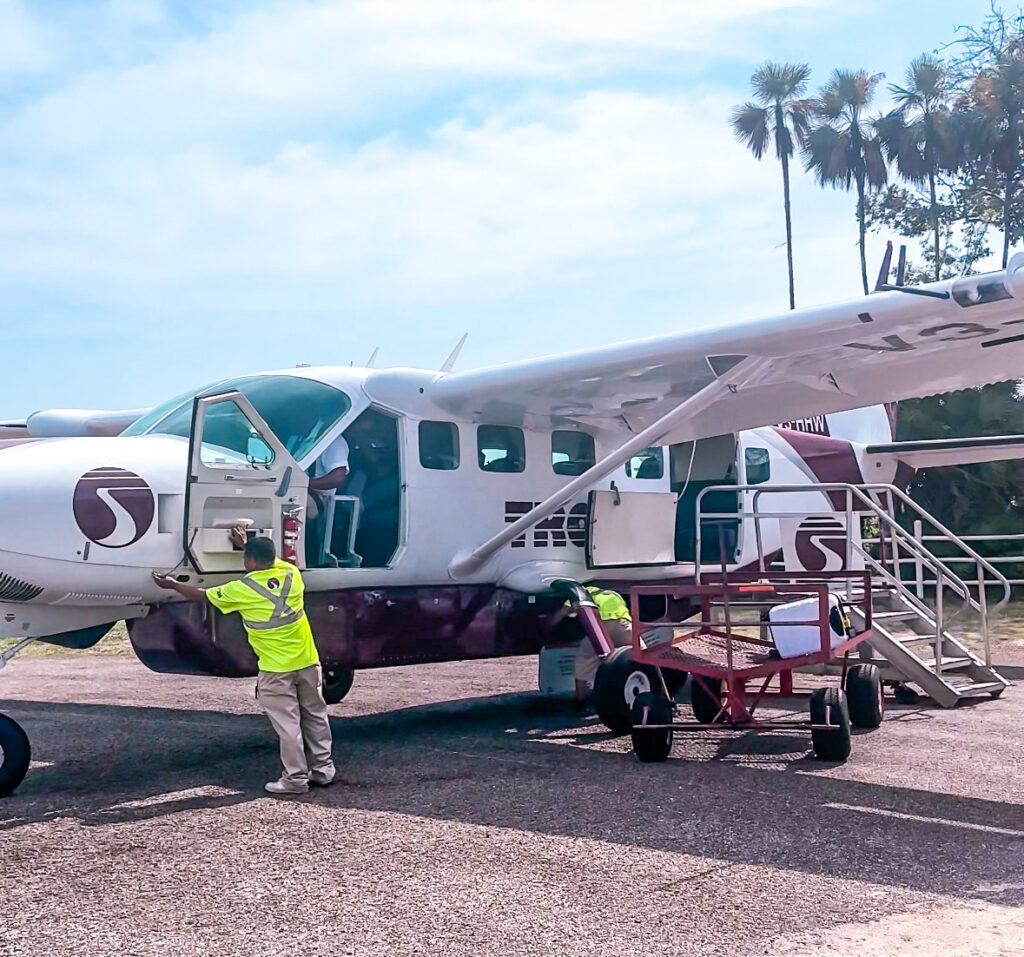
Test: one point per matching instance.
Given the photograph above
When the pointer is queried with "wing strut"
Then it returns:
(739, 375)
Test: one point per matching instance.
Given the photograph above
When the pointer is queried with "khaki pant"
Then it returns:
(294, 704)
(585, 664)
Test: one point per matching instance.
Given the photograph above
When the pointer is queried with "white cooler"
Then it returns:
(791, 639)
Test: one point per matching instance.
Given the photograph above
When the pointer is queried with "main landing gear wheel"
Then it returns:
(15, 755)
(829, 707)
(337, 683)
(654, 744)
(616, 685)
(864, 696)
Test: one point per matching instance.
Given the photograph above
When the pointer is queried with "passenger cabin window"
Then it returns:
(439, 445)
(647, 464)
(759, 466)
(572, 453)
(500, 448)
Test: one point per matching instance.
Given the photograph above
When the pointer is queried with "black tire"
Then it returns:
(15, 755)
(864, 696)
(904, 694)
(651, 707)
(829, 706)
(337, 683)
(674, 680)
(706, 706)
(617, 683)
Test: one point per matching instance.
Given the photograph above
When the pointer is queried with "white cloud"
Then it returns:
(293, 64)
(470, 210)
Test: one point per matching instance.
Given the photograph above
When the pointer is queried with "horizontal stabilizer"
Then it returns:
(64, 423)
(936, 452)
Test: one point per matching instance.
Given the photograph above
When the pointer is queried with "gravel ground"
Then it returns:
(473, 817)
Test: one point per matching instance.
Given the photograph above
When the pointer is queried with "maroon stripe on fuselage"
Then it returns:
(830, 460)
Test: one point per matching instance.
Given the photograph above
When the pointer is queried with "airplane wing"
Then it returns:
(938, 452)
(899, 344)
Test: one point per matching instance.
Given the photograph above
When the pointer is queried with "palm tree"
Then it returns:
(843, 148)
(778, 113)
(996, 117)
(920, 135)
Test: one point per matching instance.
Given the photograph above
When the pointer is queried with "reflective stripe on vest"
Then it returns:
(281, 613)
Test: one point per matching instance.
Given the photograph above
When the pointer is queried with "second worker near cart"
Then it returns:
(270, 600)
(618, 625)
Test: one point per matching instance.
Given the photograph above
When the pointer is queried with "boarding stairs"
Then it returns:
(922, 606)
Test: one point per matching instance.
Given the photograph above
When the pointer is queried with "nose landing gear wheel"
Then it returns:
(15, 755)
(616, 685)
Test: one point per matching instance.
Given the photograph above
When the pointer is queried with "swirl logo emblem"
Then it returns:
(113, 507)
(821, 544)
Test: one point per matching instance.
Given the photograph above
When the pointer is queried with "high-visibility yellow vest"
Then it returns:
(610, 604)
(271, 604)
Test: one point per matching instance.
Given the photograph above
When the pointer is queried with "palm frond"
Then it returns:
(778, 82)
(750, 125)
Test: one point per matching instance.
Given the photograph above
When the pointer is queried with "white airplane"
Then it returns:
(470, 493)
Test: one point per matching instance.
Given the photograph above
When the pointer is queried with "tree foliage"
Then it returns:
(945, 167)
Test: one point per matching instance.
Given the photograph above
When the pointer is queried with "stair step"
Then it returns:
(975, 687)
(905, 615)
(950, 664)
(910, 638)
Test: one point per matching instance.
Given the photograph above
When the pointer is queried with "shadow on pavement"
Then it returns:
(523, 762)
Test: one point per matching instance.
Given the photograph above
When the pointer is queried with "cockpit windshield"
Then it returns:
(299, 411)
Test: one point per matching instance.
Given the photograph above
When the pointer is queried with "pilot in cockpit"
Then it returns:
(330, 473)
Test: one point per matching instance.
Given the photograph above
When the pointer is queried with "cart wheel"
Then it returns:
(337, 683)
(617, 683)
(829, 706)
(904, 694)
(706, 706)
(864, 695)
(15, 755)
(651, 707)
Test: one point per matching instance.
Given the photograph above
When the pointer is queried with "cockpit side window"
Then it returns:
(299, 411)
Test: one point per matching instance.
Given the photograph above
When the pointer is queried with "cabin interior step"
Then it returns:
(921, 603)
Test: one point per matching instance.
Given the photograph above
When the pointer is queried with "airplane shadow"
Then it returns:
(521, 762)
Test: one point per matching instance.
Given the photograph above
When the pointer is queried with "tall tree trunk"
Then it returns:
(789, 229)
(862, 229)
(1007, 200)
(935, 220)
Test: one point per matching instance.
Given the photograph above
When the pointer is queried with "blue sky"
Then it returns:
(190, 191)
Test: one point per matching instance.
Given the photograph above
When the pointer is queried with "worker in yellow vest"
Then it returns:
(618, 625)
(270, 600)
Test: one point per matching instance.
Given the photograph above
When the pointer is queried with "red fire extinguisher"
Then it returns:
(291, 526)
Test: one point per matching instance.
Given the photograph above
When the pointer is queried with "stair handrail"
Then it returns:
(945, 576)
(980, 560)
(928, 558)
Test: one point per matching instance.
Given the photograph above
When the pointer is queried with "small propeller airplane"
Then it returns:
(471, 493)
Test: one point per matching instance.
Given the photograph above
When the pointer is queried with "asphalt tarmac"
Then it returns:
(473, 817)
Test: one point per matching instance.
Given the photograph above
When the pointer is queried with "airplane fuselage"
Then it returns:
(84, 522)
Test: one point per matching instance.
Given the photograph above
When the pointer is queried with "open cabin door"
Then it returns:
(239, 474)
(630, 528)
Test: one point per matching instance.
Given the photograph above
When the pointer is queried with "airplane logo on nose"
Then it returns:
(113, 507)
